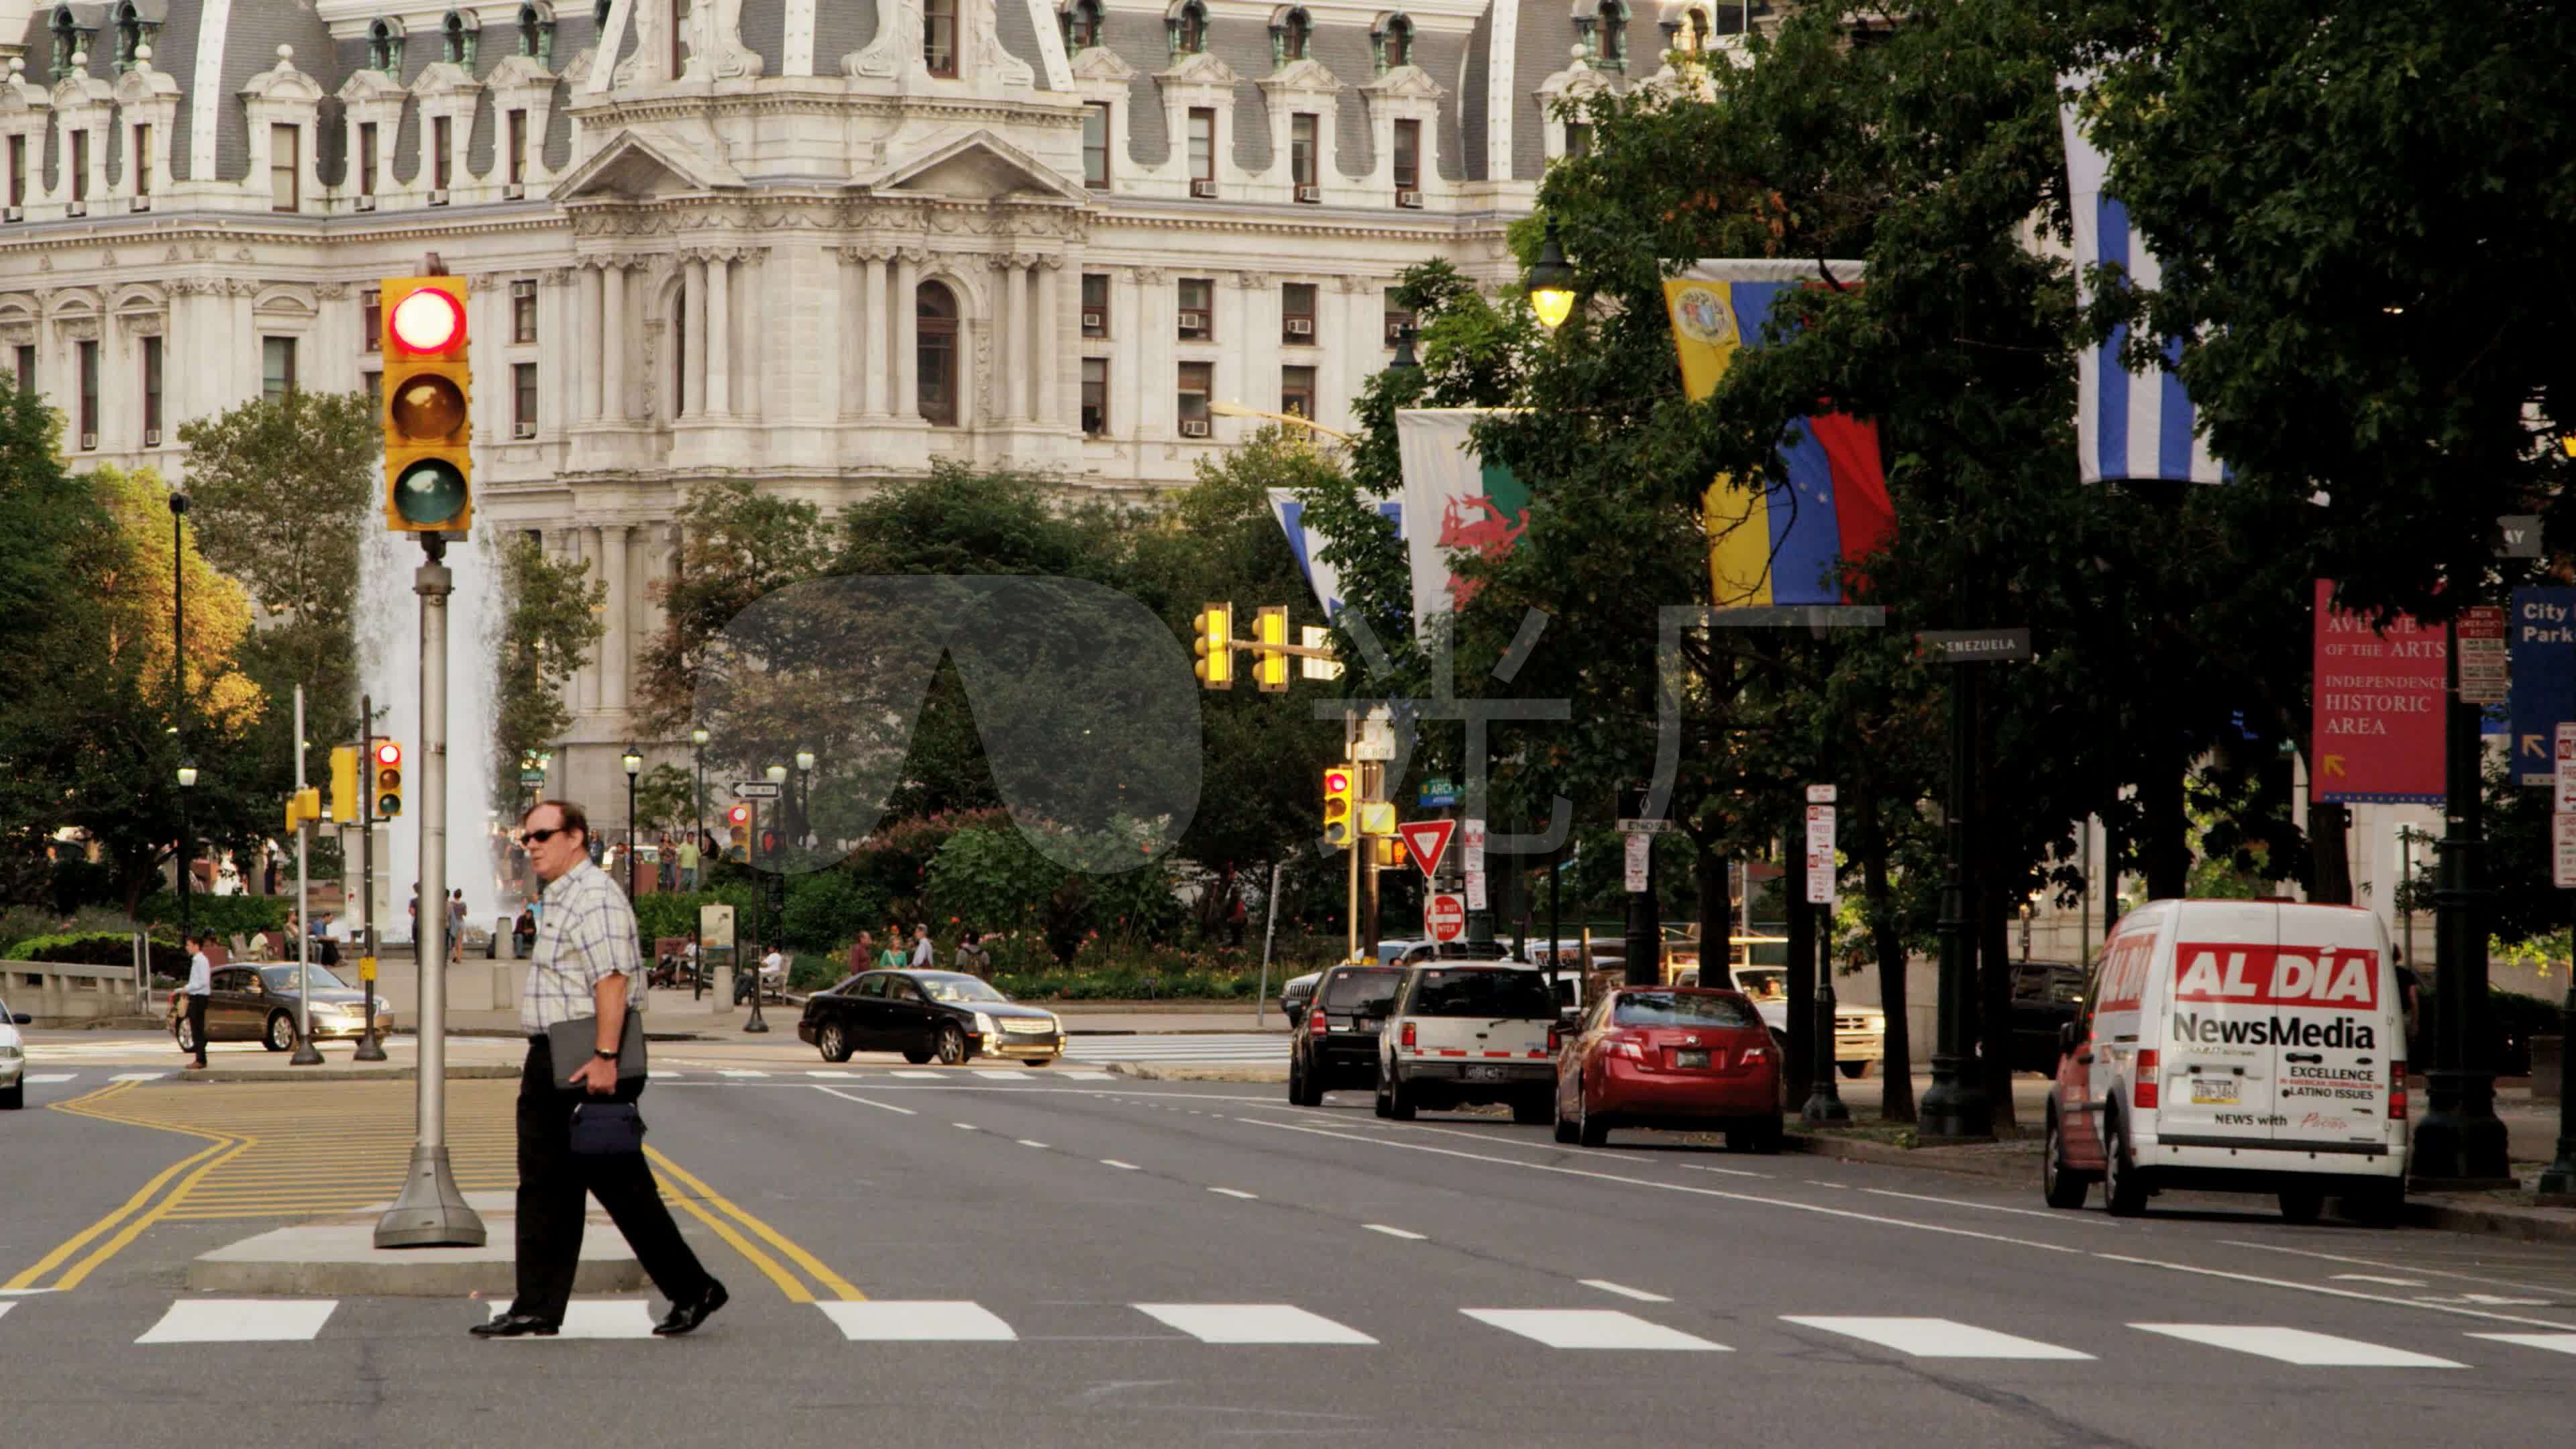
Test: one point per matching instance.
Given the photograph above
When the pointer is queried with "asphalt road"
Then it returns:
(1091, 1250)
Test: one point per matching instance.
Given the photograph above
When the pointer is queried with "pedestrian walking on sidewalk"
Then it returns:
(893, 956)
(201, 979)
(923, 958)
(972, 956)
(587, 964)
(689, 864)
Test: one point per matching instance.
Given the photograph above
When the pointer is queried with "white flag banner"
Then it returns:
(1453, 501)
(1308, 545)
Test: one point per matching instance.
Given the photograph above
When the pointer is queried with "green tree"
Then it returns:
(56, 542)
(551, 621)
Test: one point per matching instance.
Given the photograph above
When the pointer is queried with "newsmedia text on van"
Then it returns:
(2343, 1031)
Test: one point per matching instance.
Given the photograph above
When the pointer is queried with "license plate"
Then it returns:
(1690, 1059)
(1370, 1026)
(2214, 1091)
(1484, 1074)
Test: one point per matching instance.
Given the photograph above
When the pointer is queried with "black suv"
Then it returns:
(2046, 995)
(1335, 1047)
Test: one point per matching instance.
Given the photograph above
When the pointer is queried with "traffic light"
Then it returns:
(344, 784)
(769, 844)
(1390, 853)
(428, 383)
(1269, 666)
(386, 768)
(1215, 645)
(1341, 790)
(303, 807)
(739, 820)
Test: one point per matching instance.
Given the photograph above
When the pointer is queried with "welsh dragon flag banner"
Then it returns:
(1454, 501)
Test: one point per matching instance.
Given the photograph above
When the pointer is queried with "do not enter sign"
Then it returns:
(1444, 918)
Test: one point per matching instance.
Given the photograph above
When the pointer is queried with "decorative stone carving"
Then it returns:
(897, 47)
(330, 291)
(77, 329)
(984, 52)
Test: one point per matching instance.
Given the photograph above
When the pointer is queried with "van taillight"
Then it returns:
(1406, 1040)
(2397, 1092)
(1316, 1021)
(2142, 1092)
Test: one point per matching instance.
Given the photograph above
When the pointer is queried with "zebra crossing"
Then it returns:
(210, 1320)
(1191, 1046)
(664, 1074)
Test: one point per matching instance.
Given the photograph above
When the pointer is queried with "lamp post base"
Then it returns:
(431, 1213)
(1954, 1109)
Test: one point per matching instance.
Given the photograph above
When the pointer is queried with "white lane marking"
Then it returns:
(1590, 1328)
(740, 1072)
(820, 1072)
(47, 1078)
(1820, 1182)
(2331, 1292)
(2373, 1263)
(965, 1126)
(1936, 1338)
(1121, 1166)
(660, 1074)
(138, 1076)
(1237, 1192)
(865, 1102)
(934, 1076)
(1088, 1076)
(1393, 1232)
(1624, 1291)
(241, 1320)
(887, 1320)
(2375, 1278)
(1804, 1207)
(601, 1318)
(2554, 1342)
(25, 1292)
(2051, 1214)
(1031, 1142)
(1003, 1075)
(1252, 1323)
(1729, 1171)
(6, 1305)
(2296, 1345)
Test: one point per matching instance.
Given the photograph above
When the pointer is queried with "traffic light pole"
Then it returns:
(756, 1023)
(369, 1049)
(1350, 741)
(305, 1055)
(432, 1213)
(1372, 787)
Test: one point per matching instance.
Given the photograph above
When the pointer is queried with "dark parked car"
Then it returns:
(2046, 995)
(945, 1016)
(1336, 1048)
(1293, 996)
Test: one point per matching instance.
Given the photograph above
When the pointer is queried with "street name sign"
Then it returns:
(2378, 709)
(2518, 535)
(1820, 794)
(1436, 792)
(2540, 629)
(1975, 646)
(532, 778)
(1316, 636)
(1427, 841)
(754, 790)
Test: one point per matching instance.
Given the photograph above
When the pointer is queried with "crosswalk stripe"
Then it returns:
(1405, 1233)
(740, 1072)
(2296, 1345)
(1624, 1291)
(921, 1321)
(2554, 1342)
(839, 1076)
(43, 1079)
(5, 1305)
(1087, 1076)
(241, 1320)
(991, 1073)
(1590, 1328)
(1937, 1338)
(934, 1076)
(601, 1318)
(138, 1076)
(1252, 1323)
(659, 1074)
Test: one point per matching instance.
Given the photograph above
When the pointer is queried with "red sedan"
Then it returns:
(1688, 1058)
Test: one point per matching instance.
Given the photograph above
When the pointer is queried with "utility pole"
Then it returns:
(305, 1054)
(369, 1048)
(1645, 934)
(2460, 1145)
(1956, 1108)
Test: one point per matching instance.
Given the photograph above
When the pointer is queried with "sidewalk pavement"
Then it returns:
(337, 1256)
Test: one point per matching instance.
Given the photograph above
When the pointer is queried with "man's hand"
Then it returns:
(598, 1076)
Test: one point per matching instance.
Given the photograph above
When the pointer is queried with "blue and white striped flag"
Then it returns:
(1308, 545)
(2127, 424)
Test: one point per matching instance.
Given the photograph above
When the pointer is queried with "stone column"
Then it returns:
(613, 333)
(593, 330)
(692, 401)
(614, 649)
(583, 544)
(873, 317)
(1048, 405)
(907, 349)
(719, 344)
(1010, 338)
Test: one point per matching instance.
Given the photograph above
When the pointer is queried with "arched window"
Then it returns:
(1695, 32)
(1396, 46)
(939, 37)
(537, 33)
(129, 36)
(679, 38)
(66, 42)
(934, 321)
(1288, 38)
(1613, 51)
(1188, 28)
(459, 40)
(1082, 26)
(384, 48)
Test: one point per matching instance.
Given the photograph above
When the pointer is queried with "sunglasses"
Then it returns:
(540, 837)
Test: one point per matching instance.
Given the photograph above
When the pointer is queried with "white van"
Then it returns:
(2236, 1046)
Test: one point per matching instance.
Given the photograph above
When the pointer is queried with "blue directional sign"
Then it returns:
(2540, 630)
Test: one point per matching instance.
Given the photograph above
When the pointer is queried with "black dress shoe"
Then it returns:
(686, 1317)
(515, 1325)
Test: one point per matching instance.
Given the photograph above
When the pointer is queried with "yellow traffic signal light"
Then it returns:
(429, 432)
(385, 770)
(1341, 795)
(1214, 645)
(1269, 665)
(739, 818)
(344, 784)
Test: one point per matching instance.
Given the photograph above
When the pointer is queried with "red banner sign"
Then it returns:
(2378, 710)
(2235, 974)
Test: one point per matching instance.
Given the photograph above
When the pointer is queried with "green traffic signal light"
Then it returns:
(429, 492)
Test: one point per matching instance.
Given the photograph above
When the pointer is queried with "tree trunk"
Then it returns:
(2330, 848)
(1801, 980)
(1888, 937)
(1716, 920)
(2168, 859)
(1987, 904)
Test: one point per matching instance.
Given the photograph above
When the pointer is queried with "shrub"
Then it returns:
(991, 878)
(676, 914)
(813, 973)
(827, 911)
(226, 916)
(100, 948)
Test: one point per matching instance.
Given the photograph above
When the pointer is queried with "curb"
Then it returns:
(1997, 1166)
(1185, 1072)
(343, 1074)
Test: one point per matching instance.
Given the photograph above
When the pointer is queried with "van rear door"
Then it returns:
(2216, 1072)
(2338, 1031)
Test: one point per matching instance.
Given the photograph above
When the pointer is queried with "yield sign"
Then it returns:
(1428, 840)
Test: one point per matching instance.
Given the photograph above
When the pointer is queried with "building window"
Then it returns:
(151, 391)
(679, 38)
(384, 49)
(1189, 30)
(1297, 314)
(366, 158)
(523, 311)
(1408, 160)
(129, 37)
(285, 153)
(89, 394)
(460, 41)
(537, 34)
(277, 366)
(1288, 41)
(518, 148)
(1301, 156)
(679, 349)
(523, 399)
(1578, 139)
(1095, 304)
(1203, 146)
(375, 385)
(1095, 396)
(80, 165)
(934, 316)
(142, 159)
(1395, 45)
(1397, 318)
(1297, 391)
(26, 368)
(371, 320)
(939, 38)
(440, 151)
(1198, 309)
(1613, 51)
(1081, 26)
(17, 171)
(1095, 145)
(1198, 380)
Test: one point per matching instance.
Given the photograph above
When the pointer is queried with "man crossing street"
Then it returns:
(201, 975)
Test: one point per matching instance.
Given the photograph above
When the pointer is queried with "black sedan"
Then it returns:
(943, 1016)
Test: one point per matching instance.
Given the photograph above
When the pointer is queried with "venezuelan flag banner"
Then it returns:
(1777, 545)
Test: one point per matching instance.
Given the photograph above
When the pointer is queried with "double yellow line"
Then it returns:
(696, 1199)
(149, 1203)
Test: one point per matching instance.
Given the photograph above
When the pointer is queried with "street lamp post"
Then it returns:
(698, 803)
(1551, 283)
(179, 697)
(187, 786)
(778, 777)
(804, 797)
(633, 762)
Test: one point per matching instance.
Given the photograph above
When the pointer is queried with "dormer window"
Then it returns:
(679, 38)
(1394, 44)
(1610, 43)
(459, 40)
(1188, 28)
(1289, 36)
(129, 37)
(1082, 26)
(537, 34)
(1694, 38)
(385, 49)
(939, 38)
(67, 42)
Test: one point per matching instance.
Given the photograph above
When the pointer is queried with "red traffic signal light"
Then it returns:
(738, 815)
(429, 320)
(1340, 806)
(769, 842)
(388, 753)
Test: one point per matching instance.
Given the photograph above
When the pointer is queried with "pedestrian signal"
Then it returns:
(1391, 853)
(1269, 664)
(428, 384)
(387, 770)
(1214, 645)
(1341, 789)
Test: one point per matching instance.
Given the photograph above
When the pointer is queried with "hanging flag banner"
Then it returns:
(2128, 425)
(2378, 712)
(1454, 501)
(1787, 544)
(1324, 578)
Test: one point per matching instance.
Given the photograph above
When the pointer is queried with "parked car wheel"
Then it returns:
(950, 1047)
(1855, 1070)
(1302, 1091)
(832, 1042)
(1589, 1130)
(2302, 1204)
(281, 1032)
(1385, 1104)
(2124, 1193)
(2061, 1185)
(916, 1055)
(1565, 1128)
(1399, 1102)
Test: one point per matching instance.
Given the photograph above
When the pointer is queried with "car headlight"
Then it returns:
(983, 1024)
(1878, 1023)
(9, 1054)
(1055, 1023)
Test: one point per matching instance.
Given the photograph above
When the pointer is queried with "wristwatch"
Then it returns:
(603, 1055)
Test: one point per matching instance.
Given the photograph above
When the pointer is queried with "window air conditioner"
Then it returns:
(1408, 198)
(152, 437)
(142, 203)
(523, 430)
(1194, 321)
(1205, 189)
(514, 191)
(438, 197)
(1301, 326)
(78, 208)
(15, 213)
(366, 203)
(1194, 428)
(89, 441)
(1092, 322)
(1308, 191)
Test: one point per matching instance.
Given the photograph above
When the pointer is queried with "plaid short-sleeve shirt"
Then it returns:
(588, 932)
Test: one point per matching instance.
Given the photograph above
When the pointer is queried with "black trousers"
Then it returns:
(552, 1184)
(197, 1026)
